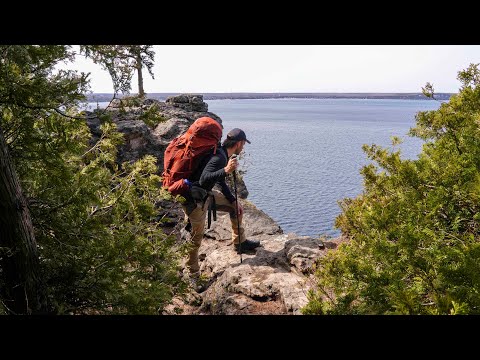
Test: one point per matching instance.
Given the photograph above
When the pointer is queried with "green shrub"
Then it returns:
(414, 231)
(100, 242)
(151, 117)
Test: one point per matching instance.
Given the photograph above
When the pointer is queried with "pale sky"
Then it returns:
(298, 68)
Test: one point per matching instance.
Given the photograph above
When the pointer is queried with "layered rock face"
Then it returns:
(177, 114)
(274, 278)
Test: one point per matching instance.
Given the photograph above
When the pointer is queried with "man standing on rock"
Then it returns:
(203, 192)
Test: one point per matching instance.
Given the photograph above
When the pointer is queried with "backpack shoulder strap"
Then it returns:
(222, 152)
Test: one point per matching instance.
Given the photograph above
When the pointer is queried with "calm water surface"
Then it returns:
(307, 153)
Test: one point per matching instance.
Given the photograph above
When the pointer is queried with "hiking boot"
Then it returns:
(247, 245)
(197, 282)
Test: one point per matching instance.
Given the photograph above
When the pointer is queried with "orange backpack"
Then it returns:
(185, 152)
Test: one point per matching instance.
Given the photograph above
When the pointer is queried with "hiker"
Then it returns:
(202, 193)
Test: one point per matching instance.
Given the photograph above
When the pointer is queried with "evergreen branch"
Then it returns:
(102, 112)
(97, 209)
(94, 147)
(114, 201)
(5, 50)
(49, 107)
(10, 311)
(65, 203)
(73, 117)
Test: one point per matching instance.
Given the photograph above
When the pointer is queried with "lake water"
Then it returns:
(306, 154)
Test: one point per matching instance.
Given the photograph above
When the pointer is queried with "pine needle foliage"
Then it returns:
(415, 230)
(101, 245)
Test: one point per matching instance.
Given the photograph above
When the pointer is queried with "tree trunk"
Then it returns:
(20, 289)
(141, 92)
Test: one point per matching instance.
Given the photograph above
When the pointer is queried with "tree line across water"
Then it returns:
(103, 97)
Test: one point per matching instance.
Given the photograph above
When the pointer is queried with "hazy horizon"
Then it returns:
(280, 92)
(106, 97)
(297, 69)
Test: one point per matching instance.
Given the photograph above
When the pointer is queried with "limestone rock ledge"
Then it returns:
(274, 279)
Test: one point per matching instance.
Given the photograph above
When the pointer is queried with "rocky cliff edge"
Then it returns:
(274, 279)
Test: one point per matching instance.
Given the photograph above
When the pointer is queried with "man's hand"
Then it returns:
(240, 208)
(231, 165)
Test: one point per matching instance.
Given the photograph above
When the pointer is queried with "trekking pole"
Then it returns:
(236, 205)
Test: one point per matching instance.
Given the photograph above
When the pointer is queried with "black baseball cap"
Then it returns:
(237, 135)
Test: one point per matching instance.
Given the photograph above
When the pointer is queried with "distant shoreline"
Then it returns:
(102, 97)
